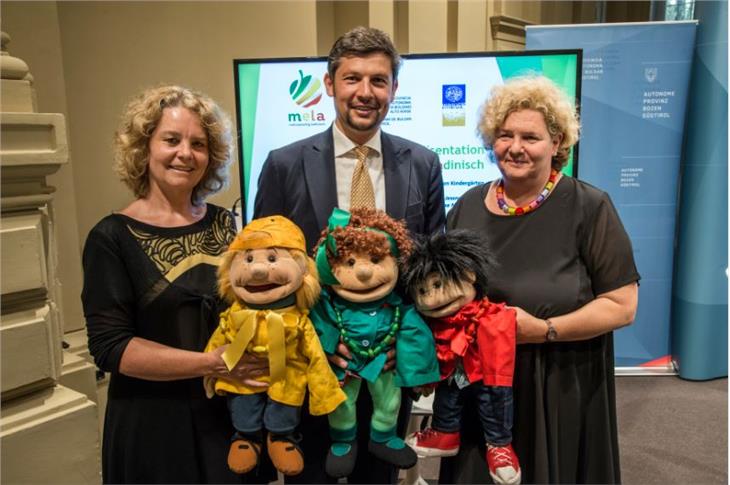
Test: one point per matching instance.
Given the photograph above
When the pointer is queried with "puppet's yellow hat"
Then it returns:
(269, 232)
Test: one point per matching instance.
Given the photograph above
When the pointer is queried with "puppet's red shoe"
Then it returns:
(504, 467)
(430, 442)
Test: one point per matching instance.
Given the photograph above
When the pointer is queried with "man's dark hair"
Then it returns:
(362, 41)
(450, 255)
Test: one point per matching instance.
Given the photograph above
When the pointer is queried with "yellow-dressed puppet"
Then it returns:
(271, 285)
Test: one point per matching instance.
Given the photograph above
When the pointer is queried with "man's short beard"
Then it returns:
(375, 124)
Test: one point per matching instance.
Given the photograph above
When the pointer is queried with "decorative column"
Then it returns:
(48, 432)
(508, 33)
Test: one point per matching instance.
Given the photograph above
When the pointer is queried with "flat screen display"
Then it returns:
(437, 104)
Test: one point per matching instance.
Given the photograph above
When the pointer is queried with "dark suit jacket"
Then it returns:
(298, 182)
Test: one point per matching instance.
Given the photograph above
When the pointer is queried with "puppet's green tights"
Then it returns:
(386, 403)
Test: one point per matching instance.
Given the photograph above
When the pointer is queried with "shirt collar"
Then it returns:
(343, 144)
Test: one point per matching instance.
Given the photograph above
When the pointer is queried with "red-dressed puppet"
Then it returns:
(446, 275)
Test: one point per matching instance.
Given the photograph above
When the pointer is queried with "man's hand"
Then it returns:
(389, 360)
(341, 356)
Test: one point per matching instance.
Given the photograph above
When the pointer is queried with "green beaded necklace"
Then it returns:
(388, 339)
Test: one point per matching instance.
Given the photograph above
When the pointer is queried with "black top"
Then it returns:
(553, 261)
(159, 284)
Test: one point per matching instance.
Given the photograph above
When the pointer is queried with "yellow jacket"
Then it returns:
(304, 365)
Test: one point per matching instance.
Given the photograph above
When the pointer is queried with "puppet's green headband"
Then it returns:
(340, 218)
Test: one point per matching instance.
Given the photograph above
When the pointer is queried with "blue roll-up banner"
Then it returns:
(699, 310)
(633, 103)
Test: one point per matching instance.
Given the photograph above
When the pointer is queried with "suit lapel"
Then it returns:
(397, 168)
(319, 174)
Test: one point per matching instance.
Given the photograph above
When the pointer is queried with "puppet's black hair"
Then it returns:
(450, 255)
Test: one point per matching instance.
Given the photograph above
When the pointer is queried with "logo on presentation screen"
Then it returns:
(453, 102)
(306, 91)
(650, 73)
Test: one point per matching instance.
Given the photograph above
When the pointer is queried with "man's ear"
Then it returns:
(395, 88)
(470, 277)
(329, 85)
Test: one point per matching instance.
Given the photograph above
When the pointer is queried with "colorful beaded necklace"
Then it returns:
(517, 211)
(387, 340)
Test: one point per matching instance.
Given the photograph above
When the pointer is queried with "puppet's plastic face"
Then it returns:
(364, 278)
(438, 298)
(263, 276)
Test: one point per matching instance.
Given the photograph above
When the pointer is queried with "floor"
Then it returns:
(670, 431)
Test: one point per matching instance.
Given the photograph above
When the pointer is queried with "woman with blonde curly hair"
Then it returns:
(149, 294)
(566, 265)
(158, 105)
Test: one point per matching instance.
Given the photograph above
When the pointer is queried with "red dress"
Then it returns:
(483, 335)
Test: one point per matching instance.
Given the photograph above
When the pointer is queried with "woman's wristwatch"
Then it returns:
(551, 335)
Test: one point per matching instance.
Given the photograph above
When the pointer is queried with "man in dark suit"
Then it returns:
(304, 181)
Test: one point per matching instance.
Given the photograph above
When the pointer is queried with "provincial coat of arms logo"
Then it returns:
(650, 73)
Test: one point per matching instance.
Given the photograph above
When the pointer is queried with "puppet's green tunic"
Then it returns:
(367, 324)
(367, 329)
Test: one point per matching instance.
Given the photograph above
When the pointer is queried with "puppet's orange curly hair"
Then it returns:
(353, 238)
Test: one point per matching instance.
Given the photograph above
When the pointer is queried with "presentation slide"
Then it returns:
(437, 104)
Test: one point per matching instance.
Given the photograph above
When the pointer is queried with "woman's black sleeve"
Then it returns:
(606, 249)
(108, 300)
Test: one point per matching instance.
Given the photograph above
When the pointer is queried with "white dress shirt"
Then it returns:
(345, 160)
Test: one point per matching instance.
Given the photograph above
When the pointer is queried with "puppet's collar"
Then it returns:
(290, 300)
(392, 300)
(292, 308)
(473, 310)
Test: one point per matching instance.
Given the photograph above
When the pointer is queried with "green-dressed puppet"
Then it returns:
(357, 259)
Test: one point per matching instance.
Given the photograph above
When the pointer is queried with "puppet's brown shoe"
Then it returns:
(243, 455)
(285, 453)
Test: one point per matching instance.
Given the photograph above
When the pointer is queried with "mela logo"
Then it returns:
(306, 92)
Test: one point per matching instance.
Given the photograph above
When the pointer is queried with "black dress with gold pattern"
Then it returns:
(159, 284)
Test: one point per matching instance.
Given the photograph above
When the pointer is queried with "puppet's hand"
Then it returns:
(389, 360)
(341, 356)
(249, 368)
(425, 390)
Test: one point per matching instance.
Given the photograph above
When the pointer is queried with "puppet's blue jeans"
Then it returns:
(495, 410)
(251, 412)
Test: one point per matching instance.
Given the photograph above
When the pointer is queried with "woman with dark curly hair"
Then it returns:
(567, 267)
(149, 294)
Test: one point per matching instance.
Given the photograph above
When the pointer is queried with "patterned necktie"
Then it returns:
(361, 192)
